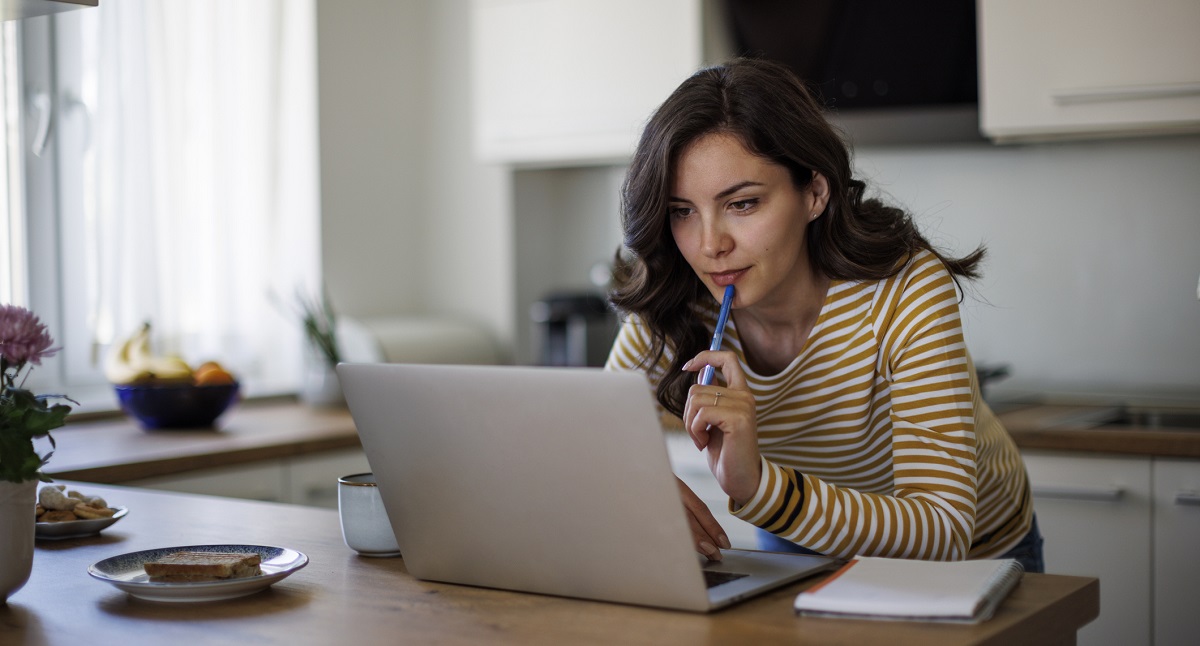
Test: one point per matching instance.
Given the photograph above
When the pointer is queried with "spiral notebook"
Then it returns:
(901, 589)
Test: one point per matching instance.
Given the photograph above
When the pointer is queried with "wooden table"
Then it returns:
(341, 598)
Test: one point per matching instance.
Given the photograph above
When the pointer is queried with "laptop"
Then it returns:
(545, 480)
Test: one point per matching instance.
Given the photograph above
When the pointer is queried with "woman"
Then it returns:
(846, 418)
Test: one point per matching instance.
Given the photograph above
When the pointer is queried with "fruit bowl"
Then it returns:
(176, 405)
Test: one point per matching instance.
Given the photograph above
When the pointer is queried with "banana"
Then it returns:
(120, 366)
(133, 362)
(169, 368)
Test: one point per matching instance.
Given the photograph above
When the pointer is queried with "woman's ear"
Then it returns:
(819, 187)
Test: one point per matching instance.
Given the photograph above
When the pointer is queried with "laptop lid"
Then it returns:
(548, 480)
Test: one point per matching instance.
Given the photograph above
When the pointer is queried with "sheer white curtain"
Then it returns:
(200, 188)
(12, 238)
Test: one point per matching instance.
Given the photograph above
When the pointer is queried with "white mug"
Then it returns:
(365, 525)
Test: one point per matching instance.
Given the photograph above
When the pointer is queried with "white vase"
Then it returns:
(17, 500)
(321, 387)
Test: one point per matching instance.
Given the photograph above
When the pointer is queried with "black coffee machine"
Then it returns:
(572, 329)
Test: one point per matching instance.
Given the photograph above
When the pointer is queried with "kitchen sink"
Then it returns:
(1154, 418)
(1125, 417)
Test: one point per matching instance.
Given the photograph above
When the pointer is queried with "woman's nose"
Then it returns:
(714, 239)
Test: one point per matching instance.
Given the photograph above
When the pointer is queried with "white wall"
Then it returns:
(411, 225)
(1095, 246)
(370, 99)
(1094, 254)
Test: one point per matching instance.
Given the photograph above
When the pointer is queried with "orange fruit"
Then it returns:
(212, 373)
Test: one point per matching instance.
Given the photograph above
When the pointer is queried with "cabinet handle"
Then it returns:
(1090, 494)
(1187, 498)
(1126, 93)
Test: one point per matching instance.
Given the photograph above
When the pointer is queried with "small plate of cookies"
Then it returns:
(63, 514)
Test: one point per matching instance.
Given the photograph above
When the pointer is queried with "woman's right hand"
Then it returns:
(706, 531)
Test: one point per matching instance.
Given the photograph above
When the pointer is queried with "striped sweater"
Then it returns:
(874, 440)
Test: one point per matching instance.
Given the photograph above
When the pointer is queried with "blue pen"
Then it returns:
(706, 375)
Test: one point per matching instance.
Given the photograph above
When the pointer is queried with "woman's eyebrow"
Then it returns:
(725, 193)
(737, 187)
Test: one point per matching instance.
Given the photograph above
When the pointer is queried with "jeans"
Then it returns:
(1028, 552)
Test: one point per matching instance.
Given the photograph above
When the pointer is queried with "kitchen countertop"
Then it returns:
(1098, 428)
(117, 450)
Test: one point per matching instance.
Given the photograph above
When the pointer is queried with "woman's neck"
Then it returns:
(773, 334)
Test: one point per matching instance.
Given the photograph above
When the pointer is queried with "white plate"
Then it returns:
(77, 528)
(126, 572)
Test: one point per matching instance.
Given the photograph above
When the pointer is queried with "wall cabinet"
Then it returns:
(572, 81)
(1080, 68)
(17, 9)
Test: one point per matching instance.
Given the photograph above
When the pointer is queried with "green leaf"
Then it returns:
(25, 417)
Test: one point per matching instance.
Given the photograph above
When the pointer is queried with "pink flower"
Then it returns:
(23, 337)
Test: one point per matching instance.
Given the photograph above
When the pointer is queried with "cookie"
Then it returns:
(87, 512)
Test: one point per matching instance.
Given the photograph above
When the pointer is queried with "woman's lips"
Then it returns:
(724, 279)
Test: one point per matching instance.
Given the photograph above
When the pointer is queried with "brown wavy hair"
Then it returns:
(775, 116)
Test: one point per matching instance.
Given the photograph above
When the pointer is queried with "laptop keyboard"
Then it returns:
(714, 579)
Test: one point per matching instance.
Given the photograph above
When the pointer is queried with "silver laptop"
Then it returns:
(546, 480)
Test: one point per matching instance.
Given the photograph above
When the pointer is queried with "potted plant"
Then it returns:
(24, 418)
(320, 385)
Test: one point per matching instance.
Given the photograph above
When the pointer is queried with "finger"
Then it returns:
(704, 524)
(709, 527)
(709, 420)
(724, 362)
(691, 409)
(704, 542)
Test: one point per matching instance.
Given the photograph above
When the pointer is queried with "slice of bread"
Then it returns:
(202, 566)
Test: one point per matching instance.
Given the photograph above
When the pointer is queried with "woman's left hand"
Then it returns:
(722, 419)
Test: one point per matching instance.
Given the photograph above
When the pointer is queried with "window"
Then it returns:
(12, 228)
(177, 183)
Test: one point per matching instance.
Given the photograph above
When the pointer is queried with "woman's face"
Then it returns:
(738, 219)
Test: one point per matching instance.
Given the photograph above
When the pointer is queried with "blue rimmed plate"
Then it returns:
(126, 572)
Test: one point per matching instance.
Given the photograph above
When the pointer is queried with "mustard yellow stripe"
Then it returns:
(880, 417)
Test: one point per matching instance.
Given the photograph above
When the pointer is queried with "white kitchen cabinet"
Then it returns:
(573, 81)
(302, 480)
(1176, 540)
(1088, 68)
(1095, 515)
(255, 481)
(17, 9)
(312, 479)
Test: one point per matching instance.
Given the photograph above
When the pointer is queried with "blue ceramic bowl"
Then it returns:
(176, 406)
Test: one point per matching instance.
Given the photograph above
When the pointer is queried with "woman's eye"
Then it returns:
(680, 212)
(743, 205)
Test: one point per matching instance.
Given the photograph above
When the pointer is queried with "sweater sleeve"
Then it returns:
(631, 347)
(930, 512)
